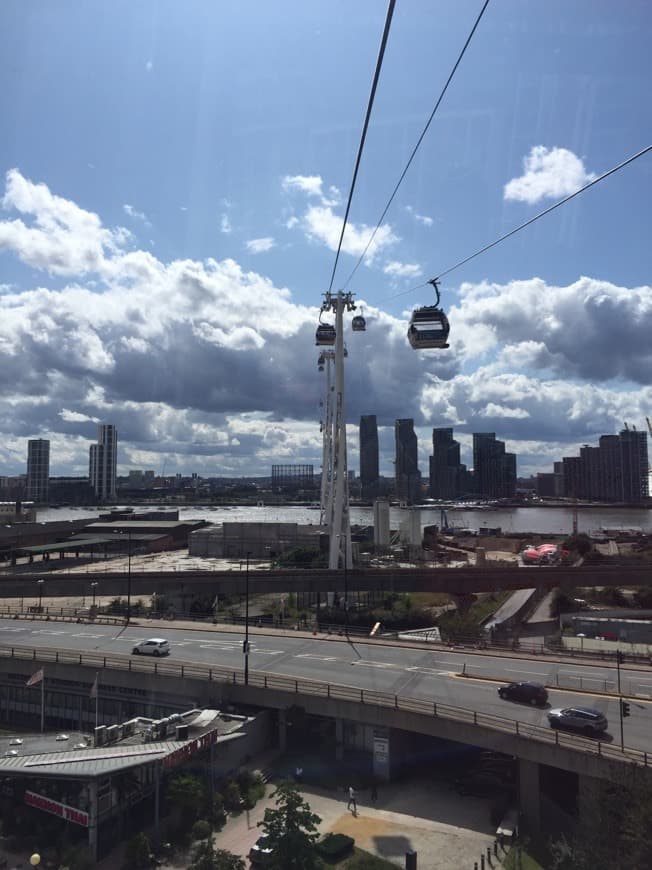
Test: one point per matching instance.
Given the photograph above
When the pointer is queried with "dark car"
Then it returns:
(261, 852)
(526, 693)
(586, 720)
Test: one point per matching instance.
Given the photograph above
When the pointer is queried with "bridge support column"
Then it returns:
(339, 739)
(529, 794)
(282, 731)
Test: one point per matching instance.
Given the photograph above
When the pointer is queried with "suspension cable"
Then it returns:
(528, 222)
(379, 63)
(419, 140)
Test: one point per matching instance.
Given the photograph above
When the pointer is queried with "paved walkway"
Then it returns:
(448, 832)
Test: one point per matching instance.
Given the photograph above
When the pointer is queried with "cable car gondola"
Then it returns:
(325, 335)
(359, 324)
(429, 325)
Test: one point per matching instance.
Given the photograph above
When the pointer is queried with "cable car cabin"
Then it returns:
(358, 324)
(428, 328)
(325, 334)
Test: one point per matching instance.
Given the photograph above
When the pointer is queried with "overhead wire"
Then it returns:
(419, 141)
(379, 63)
(526, 223)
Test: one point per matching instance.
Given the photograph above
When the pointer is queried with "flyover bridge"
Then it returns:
(201, 584)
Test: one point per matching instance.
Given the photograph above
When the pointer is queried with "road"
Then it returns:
(398, 670)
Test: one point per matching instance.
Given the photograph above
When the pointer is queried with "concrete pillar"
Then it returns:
(157, 799)
(92, 819)
(282, 731)
(339, 739)
(529, 794)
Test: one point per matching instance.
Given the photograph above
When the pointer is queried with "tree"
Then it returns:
(614, 825)
(189, 796)
(207, 857)
(291, 829)
(138, 853)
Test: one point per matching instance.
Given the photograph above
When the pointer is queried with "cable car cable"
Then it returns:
(379, 63)
(419, 140)
(545, 211)
(527, 223)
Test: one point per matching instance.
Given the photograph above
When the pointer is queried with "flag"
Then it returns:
(35, 679)
(94, 686)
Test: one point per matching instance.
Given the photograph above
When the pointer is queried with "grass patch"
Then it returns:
(429, 599)
(485, 607)
(519, 858)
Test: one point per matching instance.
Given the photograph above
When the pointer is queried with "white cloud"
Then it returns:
(76, 417)
(292, 222)
(260, 246)
(64, 238)
(321, 224)
(397, 269)
(309, 184)
(419, 218)
(548, 172)
(136, 215)
(225, 224)
(149, 65)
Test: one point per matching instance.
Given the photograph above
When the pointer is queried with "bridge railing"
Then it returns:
(298, 686)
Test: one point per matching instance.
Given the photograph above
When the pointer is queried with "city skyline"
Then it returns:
(164, 240)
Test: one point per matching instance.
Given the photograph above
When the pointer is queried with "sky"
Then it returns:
(173, 179)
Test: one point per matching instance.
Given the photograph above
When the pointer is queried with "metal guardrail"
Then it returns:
(314, 688)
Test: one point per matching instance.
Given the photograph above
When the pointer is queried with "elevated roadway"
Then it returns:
(202, 584)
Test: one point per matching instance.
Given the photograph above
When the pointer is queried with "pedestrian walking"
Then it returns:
(374, 792)
(352, 800)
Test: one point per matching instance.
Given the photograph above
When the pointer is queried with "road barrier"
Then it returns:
(334, 691)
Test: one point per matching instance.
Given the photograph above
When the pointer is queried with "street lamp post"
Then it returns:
(40, 595)
(245, 646)
(346, 595)
(129, 577)
(94, 587)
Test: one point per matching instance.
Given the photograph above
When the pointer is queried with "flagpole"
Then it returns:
(43, 702)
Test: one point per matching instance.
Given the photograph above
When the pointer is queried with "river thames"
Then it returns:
(520, 520)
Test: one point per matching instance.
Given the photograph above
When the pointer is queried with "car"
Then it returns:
(261, 851)
(155, 646)
(526, 693)
(61, 737)
(15, 741)
(586, 720)
(11, 753)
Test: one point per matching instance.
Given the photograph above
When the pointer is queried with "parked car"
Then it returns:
(155, 646)
(586, 720)
(260, 853)
(526, 693)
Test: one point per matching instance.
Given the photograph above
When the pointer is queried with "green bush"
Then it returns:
(365, 861)
(334, 847)
(218, 814)
(232, 796)
(138, 853)
(201, 830)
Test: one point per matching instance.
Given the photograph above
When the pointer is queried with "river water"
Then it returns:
(555, 520)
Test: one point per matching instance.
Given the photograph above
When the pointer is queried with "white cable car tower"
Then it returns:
(326, 361)
(335, 497)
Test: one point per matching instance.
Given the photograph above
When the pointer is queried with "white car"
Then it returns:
(155, 646)
(16, 741)
(62, 737)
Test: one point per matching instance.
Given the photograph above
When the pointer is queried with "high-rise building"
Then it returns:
(103, 463)
(369, 461)
(407, 474)
(446, 471)
(493, 468)
(38, 470)
(616, 470)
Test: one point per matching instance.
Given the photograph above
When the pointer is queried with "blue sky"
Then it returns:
(175, 178)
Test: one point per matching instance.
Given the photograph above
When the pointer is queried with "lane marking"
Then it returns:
(87, 635)
(47, 631)
(316, 657)
(531, 673)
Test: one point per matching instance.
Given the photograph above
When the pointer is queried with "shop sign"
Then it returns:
(189, 749)
(70, 814)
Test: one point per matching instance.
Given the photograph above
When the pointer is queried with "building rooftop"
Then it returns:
(73, 755)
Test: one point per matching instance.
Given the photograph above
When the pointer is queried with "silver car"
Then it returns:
(586, 720)
(155, 646)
